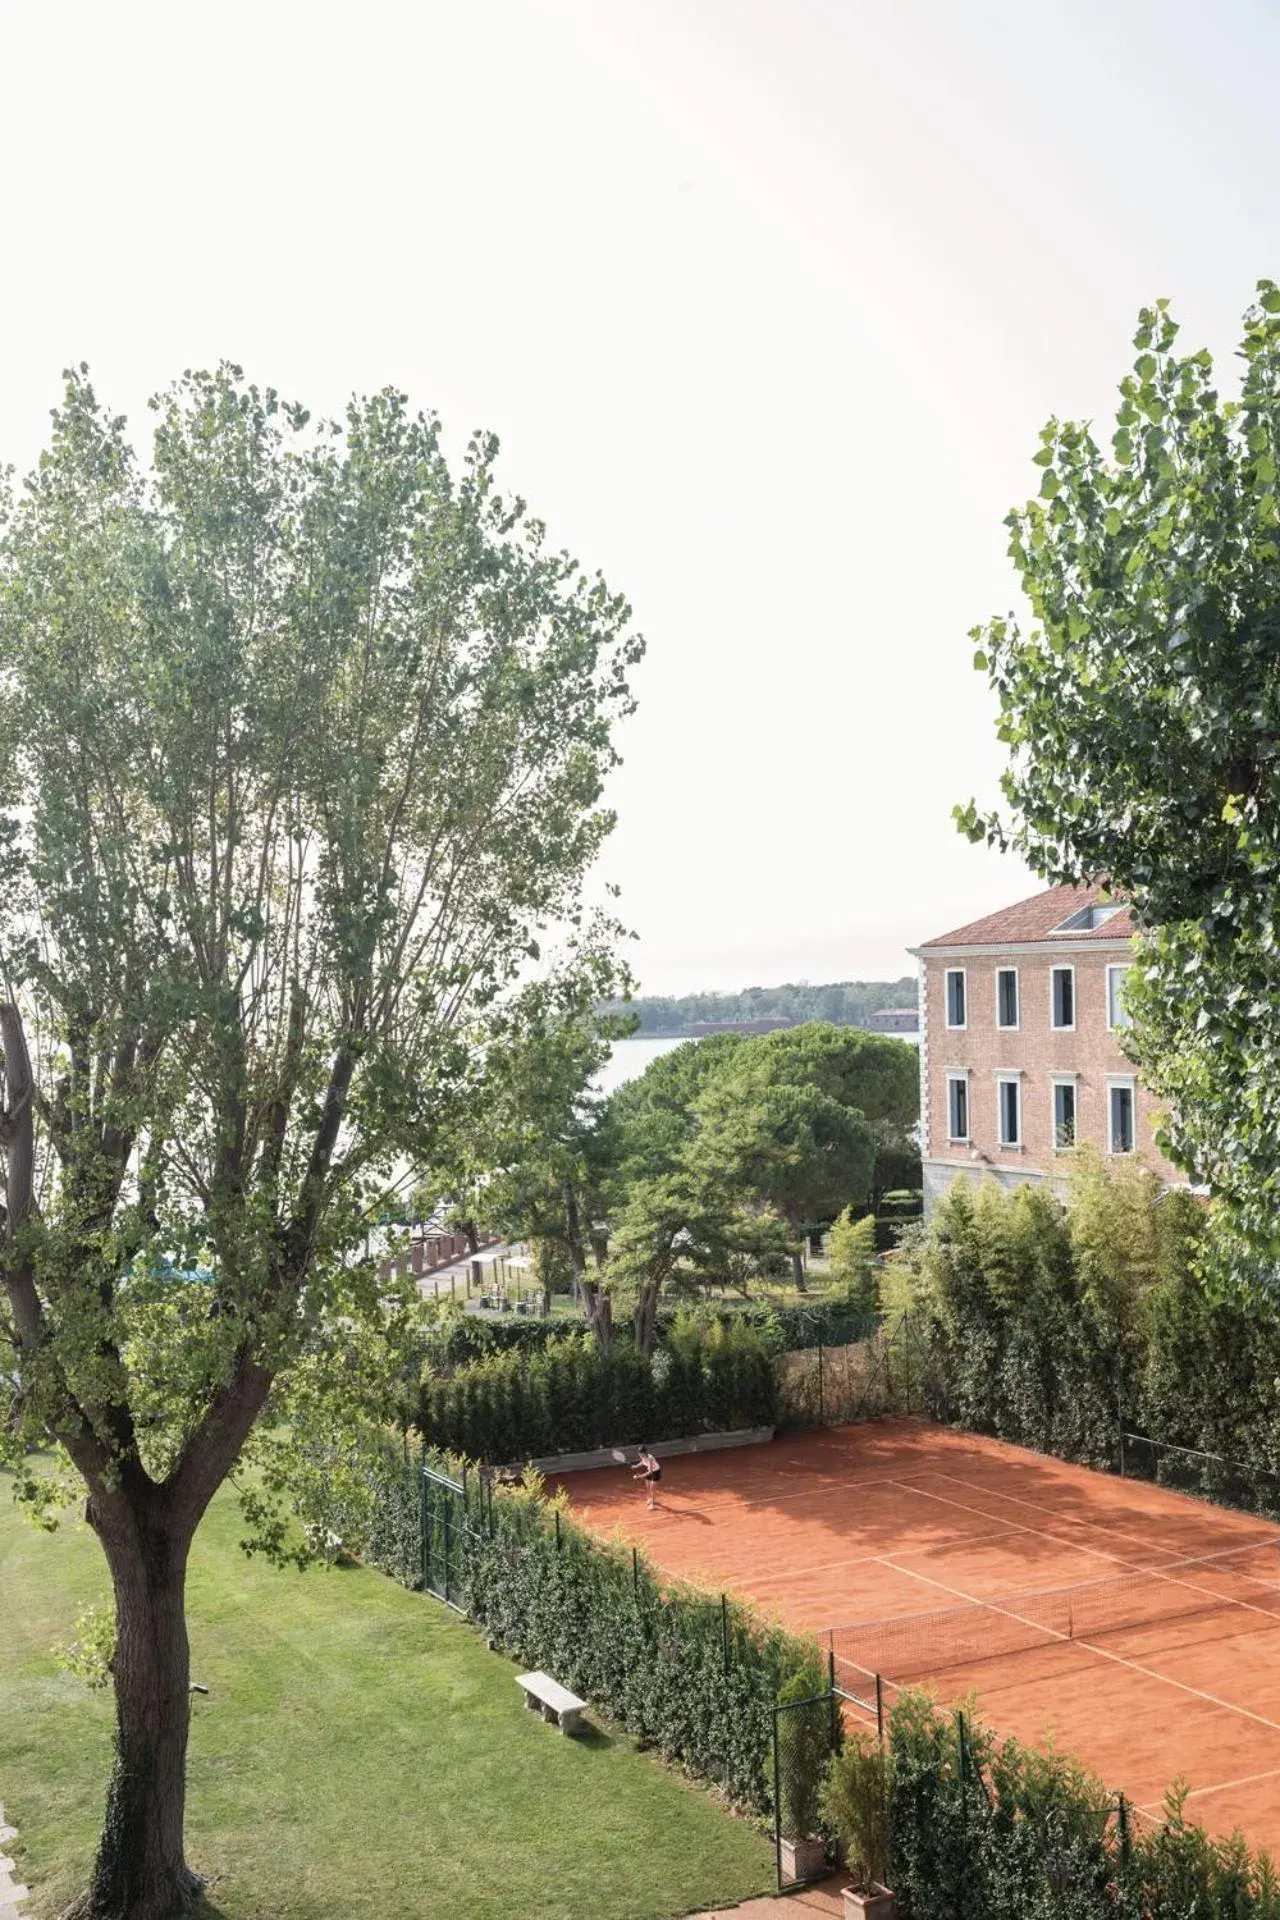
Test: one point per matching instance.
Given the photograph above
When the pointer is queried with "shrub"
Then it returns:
(804, 1742)
(572, 1395)
(1042, 1317)
(854, 1803)
(851, 1247)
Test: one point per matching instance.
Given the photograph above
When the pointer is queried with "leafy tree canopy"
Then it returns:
(302, 742)
(1141, 711)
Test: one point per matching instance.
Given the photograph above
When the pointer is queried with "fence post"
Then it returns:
(822, 1409)
(777, 1801)
(964, 1815)
(1122, 1826)
(724, 1629)
(879, 1710)
(635, 1573)
(833, 1732)
(426, 1531)
(1122, 1460)
(557, 1529)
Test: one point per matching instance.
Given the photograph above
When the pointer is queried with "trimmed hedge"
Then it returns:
(573, 1395)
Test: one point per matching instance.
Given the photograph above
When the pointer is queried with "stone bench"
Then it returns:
(544, 1695)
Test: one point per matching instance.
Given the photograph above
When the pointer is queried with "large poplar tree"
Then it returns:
(1141, 710)
(302, 739)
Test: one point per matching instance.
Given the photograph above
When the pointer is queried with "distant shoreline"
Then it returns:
(703, 1029)
(875, 1006)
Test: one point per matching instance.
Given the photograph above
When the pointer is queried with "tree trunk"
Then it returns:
(473, 1235)
(598, 1306)
(797, 1257)
(646, 1316)
(141, 1872)
(596, 1300)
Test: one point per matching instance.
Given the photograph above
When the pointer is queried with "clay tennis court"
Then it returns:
(1137, 1627)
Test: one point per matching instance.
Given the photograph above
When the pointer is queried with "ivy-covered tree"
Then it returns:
(1141, 711)
(302, 739)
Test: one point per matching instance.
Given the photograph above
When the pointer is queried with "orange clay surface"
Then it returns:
(857, 1524)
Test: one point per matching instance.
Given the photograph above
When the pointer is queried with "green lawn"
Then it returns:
(359, 1754)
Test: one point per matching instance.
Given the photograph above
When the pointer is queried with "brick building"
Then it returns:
(1021, 1018)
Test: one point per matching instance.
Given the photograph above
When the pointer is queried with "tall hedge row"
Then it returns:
(571, 1395)
(1051, 1326)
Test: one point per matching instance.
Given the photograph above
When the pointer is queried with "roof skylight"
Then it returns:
(1088, 919)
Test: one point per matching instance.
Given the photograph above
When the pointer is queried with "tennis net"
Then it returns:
(915, 1646)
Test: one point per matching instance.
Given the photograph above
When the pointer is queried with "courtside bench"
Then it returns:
(546, 1696)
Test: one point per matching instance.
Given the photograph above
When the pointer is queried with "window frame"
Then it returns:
(1014, 1025)
(1057, 1080)
(1062, 966)
(949, 973)
(1122, 1083)
(959, 1076)
(1117, 1026)
(1003, 1080)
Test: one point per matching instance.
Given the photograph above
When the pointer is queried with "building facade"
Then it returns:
(1022, 1021)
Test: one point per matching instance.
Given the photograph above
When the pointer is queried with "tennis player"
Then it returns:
(648, 1469)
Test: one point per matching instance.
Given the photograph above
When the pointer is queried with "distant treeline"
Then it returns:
(845, 1003)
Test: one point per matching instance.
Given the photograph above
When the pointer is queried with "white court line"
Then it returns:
(1016, 1526)
(1226, 1786)
(1173, 1560)
(1105, 1653)
(1094, 1525)
(870, 1559)
(1175, 1573)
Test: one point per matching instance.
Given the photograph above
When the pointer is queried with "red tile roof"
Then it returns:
(1035, 919)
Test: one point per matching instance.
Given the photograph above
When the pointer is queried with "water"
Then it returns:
(631, 1057)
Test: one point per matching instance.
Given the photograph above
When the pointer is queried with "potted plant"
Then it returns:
(854, 1803)
(804, 1731)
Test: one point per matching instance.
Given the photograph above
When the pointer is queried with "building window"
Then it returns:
(1064, 1115)
(957, 1106)
(1117, 1013)
(1006, 996)
(1062, 1002)
(1120, 1127)
(1010, 1112)
(955, 997)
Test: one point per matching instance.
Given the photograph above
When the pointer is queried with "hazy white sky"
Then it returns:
(767, 300)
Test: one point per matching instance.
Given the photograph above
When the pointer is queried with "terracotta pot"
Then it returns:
(879, 1904)
(803, 1860)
